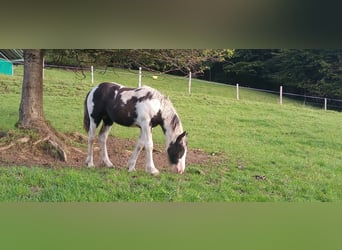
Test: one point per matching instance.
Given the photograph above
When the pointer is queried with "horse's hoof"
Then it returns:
(107, 164)
(155, 172)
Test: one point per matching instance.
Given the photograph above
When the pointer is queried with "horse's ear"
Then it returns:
(180, 137)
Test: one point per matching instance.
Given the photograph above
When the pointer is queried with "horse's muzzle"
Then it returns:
(179, 168)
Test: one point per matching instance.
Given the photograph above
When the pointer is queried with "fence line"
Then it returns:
(327, 102)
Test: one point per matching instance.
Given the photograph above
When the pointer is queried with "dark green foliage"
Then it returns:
(302, 71)
(177, 61)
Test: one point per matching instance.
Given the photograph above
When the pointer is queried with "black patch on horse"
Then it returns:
(103, 98)
(157, 120)
(109, 108)
(86, 121)
(124, 113)
(148, 96)
(174, 122)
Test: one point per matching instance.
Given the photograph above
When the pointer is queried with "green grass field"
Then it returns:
(271, 152)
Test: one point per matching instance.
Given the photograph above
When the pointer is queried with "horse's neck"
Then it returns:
(172, 129)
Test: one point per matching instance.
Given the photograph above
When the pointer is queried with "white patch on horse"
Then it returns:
(146, 110)
(127, 95)
(92, 128)
(90, 102)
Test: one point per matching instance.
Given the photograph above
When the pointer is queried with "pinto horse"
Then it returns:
(143, 107)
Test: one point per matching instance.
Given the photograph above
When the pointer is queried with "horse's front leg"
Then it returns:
(147, 135)
(132, 161)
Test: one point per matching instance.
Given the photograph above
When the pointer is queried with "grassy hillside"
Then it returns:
(269, 152)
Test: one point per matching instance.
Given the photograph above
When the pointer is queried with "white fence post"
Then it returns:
(281, 95)
(92, 73)
(325, 103)
(237, 92)
(189, 84)
(140, 73)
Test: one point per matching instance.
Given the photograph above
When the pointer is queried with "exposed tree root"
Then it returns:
(52, 148)
(18, 141)
(7, 147)
(51, 142)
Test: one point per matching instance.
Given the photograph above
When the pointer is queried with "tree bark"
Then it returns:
(31, 113)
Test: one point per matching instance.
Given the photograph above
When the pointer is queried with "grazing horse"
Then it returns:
(143, 107)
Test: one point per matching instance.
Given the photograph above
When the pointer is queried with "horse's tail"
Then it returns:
(86, 120)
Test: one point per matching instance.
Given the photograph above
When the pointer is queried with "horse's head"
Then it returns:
(177, 153)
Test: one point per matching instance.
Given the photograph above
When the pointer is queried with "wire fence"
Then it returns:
(314, 101)
(326, 103)
(308, 100)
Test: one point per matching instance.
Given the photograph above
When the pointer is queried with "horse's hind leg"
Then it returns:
(103, 145)
(91, 136)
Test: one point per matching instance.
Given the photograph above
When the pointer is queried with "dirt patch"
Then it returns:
(24, 152)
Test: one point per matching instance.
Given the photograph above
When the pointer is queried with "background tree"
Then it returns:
(250, 67)
(31, 112)
(175, 61)
(303, 71)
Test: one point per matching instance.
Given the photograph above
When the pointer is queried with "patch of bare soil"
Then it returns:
(26, 151)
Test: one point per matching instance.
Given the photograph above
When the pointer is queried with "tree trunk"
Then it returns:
(31, 114)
